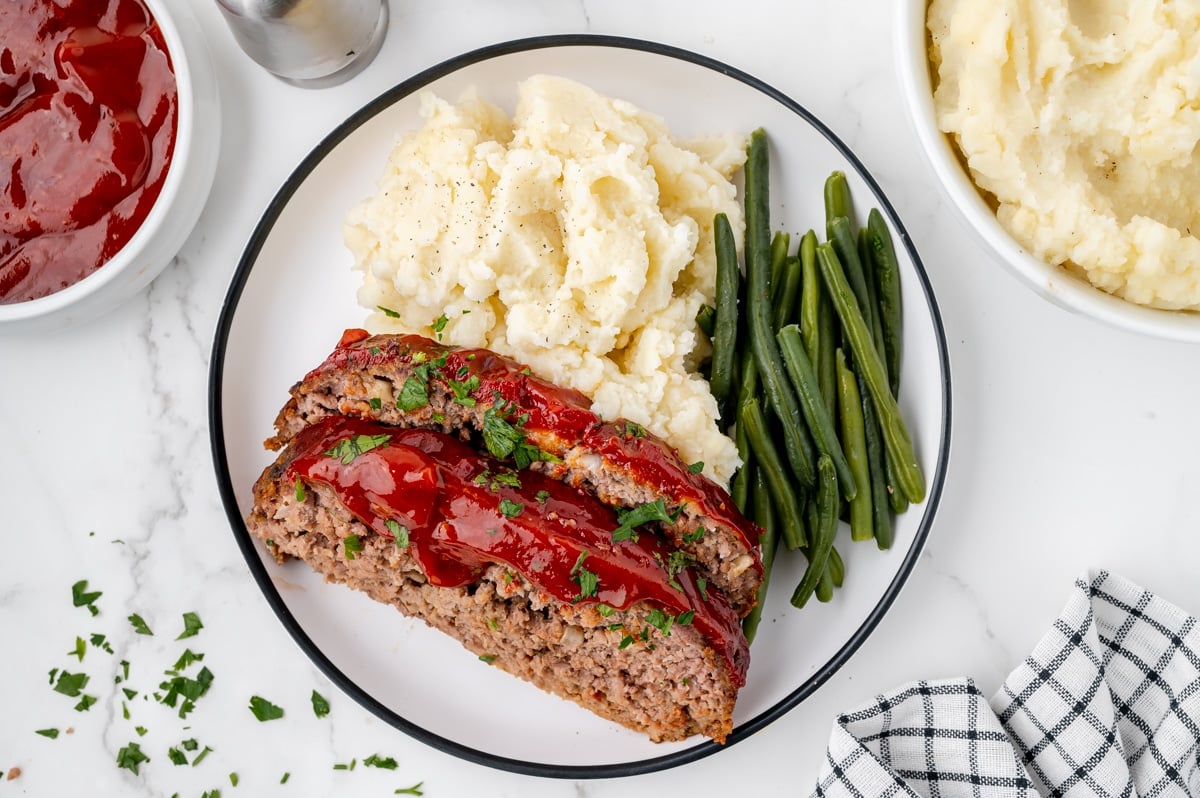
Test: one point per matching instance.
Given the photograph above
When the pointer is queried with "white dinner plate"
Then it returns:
(294, 293)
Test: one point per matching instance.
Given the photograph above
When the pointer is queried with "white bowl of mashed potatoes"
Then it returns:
(1066, 134)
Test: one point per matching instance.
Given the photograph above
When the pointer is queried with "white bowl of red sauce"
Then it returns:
(109, 137)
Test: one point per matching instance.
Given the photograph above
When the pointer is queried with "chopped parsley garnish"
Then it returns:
(588, 582)
(188, 657)
(636, 516)
(320, 704)
(101, 642)
(399, 533)
(85, 703)
(189, 689)
(463, 389)
(141, 730)
(604, 610)
(176, 756)
(200, 757)
(264, 710)
(80, 649)
(51, 733)
(626, 642)
(191, 625)
(131, 757)
(505, 439)
(542, 496)
(439, 324)
(696, 467)
(488, 658)
(510, 509)
(233, 779)
(346, 766)
(692, 537)
(284, 778)
(631, 429)
(377, 761)
(414, 394)
(702, 586)
(300, 494)
(71, 684)
(80, 597)
(348, 449)
(493, 624)
(413, 790)
(375, 402)
(139, 624)
(391, 314)
(352, 546)
(129, 692)
(662, 621)
(685, 618)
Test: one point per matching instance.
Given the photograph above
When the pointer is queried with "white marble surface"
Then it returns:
(1074, 446)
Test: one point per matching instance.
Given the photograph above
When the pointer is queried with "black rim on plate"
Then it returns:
(229, 492)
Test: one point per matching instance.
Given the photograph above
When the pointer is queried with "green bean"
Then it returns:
(846, 247)
(877, 468)
(739, 486)
(837, 199)
(779, 394)
(779, 250)
(816, 322)
(837, 568)
(763, 514)
(824, 591)
(868, 267)
(895, 433)
(726, 325)
(783, 303)
(854, 438)
(787, 502)
(824, 532)
(820, 423)
(706, 319)
(887, 276)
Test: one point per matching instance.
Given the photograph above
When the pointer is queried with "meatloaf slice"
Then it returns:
(670, 681)
(411, 381)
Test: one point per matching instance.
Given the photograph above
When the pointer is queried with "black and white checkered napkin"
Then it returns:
(1108, 704)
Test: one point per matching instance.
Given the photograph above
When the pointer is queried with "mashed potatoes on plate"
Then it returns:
(575, 237)
(1081, 118)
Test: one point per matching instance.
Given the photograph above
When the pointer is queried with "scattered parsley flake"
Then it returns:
(187, 658)
(190, 744)
(604, 610)
(300, 494)
(264, 710)
(542, 496)
(376, 403)
(51, 733)
(493, 624)
(200, 756)
(71, 684)
(191, 625)
(344, 766)
(488, 658)
(633, 517)
(414, 394)
(101, 642)
(511, 509)
(626, 642)
(81, 598)
(662, 621)
(233, 779)
(350, 448)
(692, 537)
(588, 582)
(176, 756)
(376, 761)
(129, 692)
(413, 790)
(439, 324)
(631, 429)
(191, 690)
(284, 778)
(80, 649)
(320, 704)
(685, 618)
(391, 314)
(141, 730)
(85, 703)
(131, 757)
(399, 533)
(352, 546)
(139, 624)
(463, 389)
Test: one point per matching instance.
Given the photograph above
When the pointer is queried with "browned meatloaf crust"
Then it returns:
(669, 687)
(623, 465)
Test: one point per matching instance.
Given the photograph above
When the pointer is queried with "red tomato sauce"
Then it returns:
(460, 511)
(88, 114)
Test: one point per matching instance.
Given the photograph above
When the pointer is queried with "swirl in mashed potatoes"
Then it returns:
(575, 237)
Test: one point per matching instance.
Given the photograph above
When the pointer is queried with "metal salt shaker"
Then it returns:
(311, 43)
